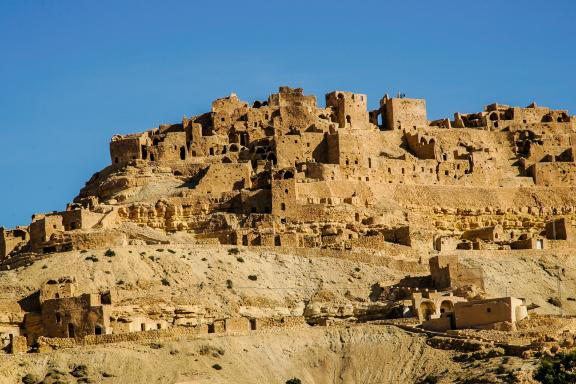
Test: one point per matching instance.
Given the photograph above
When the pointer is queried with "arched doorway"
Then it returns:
(427, 309)
(446, 306)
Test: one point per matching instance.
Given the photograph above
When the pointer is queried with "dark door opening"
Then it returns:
(71, 332)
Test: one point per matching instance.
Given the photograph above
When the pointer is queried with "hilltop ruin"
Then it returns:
(284, 216)
(287, 172)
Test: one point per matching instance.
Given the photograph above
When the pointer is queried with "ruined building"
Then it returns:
(288, 172)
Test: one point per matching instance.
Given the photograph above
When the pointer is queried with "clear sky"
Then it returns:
(73, 73)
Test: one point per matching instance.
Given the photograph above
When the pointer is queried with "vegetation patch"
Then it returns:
(559, 369)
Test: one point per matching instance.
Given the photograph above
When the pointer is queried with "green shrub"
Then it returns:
(30, 379)
(233, 251)
(240, 259)
(253, 277)
(294, 381)
(217, 367)
(110, 253)
(171, 251)
(165, 281)
(92, 258)
(560, 369)
(429, 379)
(79, 371)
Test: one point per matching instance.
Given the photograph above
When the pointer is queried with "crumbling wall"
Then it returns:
(402, 113)
(225, 177)
(350, 109)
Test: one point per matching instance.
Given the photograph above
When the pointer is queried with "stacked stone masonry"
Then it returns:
(288, 172)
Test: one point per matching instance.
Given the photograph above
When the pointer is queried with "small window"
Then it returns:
(488, 309)
(283, 206)
(58, 318)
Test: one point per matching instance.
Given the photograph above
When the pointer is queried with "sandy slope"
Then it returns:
(215, 279)
(366, 354)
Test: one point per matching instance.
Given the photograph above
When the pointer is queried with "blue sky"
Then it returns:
(73, 73)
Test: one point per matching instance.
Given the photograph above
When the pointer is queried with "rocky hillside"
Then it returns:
(360, 354)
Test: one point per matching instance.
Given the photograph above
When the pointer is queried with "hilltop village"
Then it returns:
(286, 172)
(290, 175)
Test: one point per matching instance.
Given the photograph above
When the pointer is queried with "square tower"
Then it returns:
(402, 113)
(350, 108)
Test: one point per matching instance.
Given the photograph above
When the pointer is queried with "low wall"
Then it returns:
(291, 321)
(47, 344)
(19, 344)
(231, 325)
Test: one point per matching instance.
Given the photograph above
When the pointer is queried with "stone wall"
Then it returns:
(235, 325)
(18, 345)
